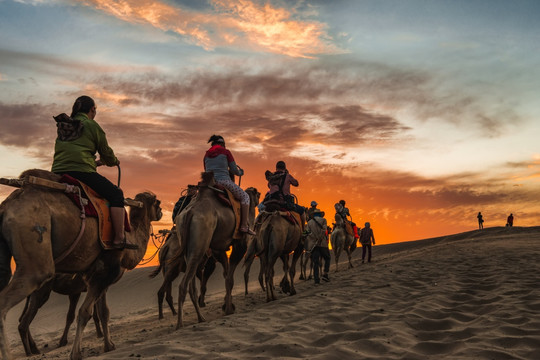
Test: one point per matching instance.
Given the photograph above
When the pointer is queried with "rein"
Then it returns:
(82, 202)
(158, 241)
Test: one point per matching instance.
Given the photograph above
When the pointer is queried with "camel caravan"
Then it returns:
(67, 231)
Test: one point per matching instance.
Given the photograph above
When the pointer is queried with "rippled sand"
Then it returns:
(474, 295)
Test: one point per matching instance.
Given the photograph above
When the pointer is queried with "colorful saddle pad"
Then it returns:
(97, 207)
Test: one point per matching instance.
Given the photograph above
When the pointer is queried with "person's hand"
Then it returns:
(241, 170)
(99, 163)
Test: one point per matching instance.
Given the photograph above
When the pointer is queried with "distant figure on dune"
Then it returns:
(366, 239)
(510, 220)
(480, 220)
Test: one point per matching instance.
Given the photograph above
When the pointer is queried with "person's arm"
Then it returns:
(106, 154)
(292, 180)
(232, 164)
(372, 237)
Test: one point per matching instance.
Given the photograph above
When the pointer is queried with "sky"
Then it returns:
(417, 113)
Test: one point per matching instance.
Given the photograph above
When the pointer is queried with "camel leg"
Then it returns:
(166, 290)
(192, 266)
(194, 298)
(70, 317)
(221, 257)
(209, 267)
(32, 270)
(100, 306)
(97, 287)
(247, 264)
(97, 322)
(261, 276)
(302, 267)
(238, 251)
(337, 253)
(269, 268)
(292, 270)
(33, 303)
(268, 277)
(285, 285)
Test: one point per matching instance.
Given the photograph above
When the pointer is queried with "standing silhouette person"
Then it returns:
(510, 220)
(480, 220)
(366, 239)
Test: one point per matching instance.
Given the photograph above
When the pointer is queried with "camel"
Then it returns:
(37, 226)
(209, 224)
(341, 240)
(309, 244)
(65, 284)
(278, 237)
(171, 266)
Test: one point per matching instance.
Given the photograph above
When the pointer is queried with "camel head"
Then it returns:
(254, 196)
(151, 206)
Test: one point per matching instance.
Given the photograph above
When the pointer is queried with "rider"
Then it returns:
(312, 210)
(279, 184)
(221, 162)
(77, 158)
(341, 219)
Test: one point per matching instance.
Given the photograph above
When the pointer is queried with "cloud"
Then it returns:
(26, 125)
(239, 23)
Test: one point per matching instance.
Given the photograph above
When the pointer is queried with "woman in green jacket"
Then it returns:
(77, 158)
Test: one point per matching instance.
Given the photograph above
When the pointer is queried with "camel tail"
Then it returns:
(183, 238)
(155, 272)
(163, 254)
(266, 240)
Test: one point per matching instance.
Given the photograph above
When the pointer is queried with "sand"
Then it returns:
(474, 295)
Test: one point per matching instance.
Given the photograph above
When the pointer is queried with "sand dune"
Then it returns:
(474, 295)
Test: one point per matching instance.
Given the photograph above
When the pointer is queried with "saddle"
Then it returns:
(228, 199)
(97, 207)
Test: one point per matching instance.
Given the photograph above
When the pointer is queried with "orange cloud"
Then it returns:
(235, 22)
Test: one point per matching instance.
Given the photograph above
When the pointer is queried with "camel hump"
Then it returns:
(44, 174)
(207, 178)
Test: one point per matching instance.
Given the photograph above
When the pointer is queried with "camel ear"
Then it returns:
(131, 202)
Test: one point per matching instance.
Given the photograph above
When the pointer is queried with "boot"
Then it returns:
(117, 216)
(244, 227)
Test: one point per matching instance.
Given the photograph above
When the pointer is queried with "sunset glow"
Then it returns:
(418, 114)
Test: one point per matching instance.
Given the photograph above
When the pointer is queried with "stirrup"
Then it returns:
(125, 245)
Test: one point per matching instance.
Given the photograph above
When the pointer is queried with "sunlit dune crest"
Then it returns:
(239, 22)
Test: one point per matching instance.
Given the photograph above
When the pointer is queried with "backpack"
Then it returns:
(67, 128)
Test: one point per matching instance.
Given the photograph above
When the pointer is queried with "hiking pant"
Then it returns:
(368, 249)
(101, 185)
(316, 254)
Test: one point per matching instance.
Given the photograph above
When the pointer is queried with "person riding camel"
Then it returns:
(342, 215)
(76, 156)
(279, 184)
(220, 161)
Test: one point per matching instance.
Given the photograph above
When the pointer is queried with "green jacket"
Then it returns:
(80, 154)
